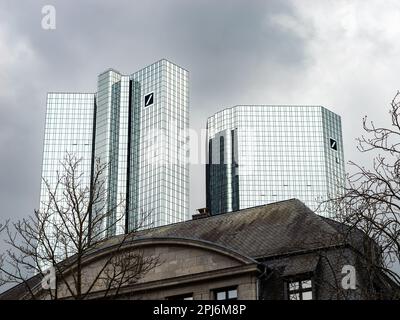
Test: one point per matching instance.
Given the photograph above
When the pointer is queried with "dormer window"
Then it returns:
(300, 289)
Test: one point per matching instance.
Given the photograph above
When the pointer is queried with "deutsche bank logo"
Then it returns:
(149, 99)
(333, 144)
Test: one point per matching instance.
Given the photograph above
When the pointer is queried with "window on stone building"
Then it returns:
(188, 296)
(230, 293)
(300, 289)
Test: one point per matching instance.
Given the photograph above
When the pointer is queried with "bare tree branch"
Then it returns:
(74, 220)
(370, 202)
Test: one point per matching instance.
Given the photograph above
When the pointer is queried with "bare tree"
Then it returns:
(73, 221)
(2, 228)
(370, 202)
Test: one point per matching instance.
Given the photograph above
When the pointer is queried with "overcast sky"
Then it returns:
(344, 55)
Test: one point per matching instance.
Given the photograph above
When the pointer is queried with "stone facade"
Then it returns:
(185, 268)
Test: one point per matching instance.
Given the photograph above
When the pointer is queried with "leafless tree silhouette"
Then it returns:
(370, 202)
(73, 221)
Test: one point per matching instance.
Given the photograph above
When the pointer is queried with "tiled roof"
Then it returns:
(268, 230)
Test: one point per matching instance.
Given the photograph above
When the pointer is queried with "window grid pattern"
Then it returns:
(226, 294)
(281, 152)
(143, 147)
(68, 129)
(300, 290)
(111, 145)
(161, 193)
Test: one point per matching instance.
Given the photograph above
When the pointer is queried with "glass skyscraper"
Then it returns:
(259, 154)
(136, 125)
(68, 132)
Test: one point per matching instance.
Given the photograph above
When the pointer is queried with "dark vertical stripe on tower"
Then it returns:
(128, 172)
(234, 175)
(208, 177)
(93, 161)
(222, 178)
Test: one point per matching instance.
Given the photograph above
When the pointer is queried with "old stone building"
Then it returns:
(276, 251)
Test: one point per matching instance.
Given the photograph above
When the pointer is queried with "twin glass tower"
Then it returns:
(135, 124)
(261, 154)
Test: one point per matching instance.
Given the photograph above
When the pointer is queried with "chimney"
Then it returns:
(202, 213)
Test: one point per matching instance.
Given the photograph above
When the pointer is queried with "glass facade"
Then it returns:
(111, 146)
(136, 125)
(68, 130)
(141, 128)
(158, 155)
(260, 154)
